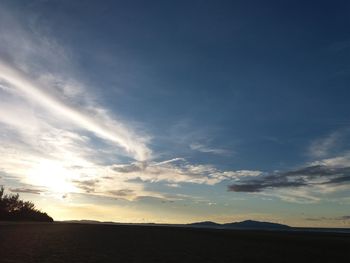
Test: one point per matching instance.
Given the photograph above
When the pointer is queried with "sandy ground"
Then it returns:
(68, 242)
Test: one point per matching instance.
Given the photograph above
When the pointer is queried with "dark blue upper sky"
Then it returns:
(260, 79)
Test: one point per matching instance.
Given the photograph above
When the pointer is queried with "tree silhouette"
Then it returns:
(14, 209)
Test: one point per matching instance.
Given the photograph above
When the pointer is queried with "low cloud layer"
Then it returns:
(317, 175)
(323, 218)
(179, 172)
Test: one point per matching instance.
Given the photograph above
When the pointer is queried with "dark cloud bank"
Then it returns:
(308, 176)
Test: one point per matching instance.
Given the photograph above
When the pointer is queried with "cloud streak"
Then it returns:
(26, 190)
(323, 218)
(121, 135)
(178, 171)
(205, 149)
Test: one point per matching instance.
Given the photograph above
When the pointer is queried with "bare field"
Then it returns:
(67, 242)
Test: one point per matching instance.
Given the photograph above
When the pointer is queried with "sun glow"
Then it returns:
(53, 176)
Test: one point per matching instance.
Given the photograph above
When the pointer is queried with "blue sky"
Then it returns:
(177, 111)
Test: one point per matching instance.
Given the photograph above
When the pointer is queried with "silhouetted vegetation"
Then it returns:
(14, 209)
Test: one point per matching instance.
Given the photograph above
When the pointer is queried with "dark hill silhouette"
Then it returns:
(206, 224)
(248, 224)
(14, 209)
(251, 224)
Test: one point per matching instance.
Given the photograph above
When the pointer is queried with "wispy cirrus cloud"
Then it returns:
(205, 149)
(120, 135)
(37, 72)
(113, 131)
(322, 147)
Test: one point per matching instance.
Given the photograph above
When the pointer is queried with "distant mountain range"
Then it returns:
(247, 224)
(244, 225)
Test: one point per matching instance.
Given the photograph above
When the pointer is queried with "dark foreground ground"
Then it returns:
(85, 243)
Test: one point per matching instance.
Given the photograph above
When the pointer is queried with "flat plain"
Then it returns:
(68, 242)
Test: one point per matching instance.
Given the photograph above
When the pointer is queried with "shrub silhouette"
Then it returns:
(14, 209)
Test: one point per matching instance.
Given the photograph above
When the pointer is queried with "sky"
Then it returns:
(177, 111)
